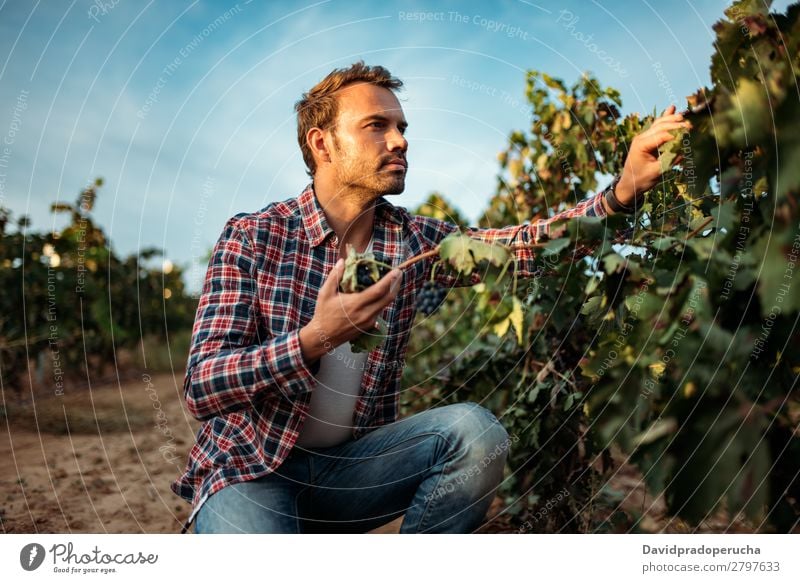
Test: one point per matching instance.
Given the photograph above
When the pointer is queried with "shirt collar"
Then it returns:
(316, 225)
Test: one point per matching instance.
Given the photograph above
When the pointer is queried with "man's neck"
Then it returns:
(349, 213)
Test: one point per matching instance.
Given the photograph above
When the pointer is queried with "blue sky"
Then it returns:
(186, 108)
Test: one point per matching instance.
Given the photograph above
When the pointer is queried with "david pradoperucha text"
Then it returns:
(679, 551)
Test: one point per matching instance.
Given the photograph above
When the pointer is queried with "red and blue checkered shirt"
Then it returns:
(246, 377)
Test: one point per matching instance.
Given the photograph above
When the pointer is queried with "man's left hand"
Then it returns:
(642, 169)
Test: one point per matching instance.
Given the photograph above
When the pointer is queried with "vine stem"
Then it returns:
(692, 234)
(416, 258)
(700, 228)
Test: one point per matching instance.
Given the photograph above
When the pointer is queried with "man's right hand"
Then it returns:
(340, 317)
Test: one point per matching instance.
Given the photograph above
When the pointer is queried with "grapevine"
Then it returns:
(674, 353)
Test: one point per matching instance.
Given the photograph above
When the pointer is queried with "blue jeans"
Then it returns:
(441, 468)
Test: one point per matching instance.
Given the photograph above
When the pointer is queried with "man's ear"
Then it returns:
(315, 138)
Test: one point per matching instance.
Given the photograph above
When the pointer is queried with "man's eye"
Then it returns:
(377, 124)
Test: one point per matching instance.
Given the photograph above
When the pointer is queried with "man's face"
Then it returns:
(369, 150)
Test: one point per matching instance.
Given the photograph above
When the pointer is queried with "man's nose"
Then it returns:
(396, 141)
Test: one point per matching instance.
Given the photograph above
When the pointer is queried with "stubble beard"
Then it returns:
(377, 182)
(373, 181)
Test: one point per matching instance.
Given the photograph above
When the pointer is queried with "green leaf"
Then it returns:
(613, 263)
(658, 430)
(570, 400)
(496, 255)
(748, 120)
(777, 293)
(730, 463)
(724, 215)
(369, 341)
(555, 246)
(697, 222)
(587, 228)
(592, 306)
(663, 243)
(644, 306)
(668, 152)
(456, 249)
(788, 178)
(703, 247)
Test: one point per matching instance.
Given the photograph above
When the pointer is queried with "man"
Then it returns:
(300, 434)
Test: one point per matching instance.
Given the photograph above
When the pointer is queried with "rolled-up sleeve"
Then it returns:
(230, 367)
(521, 236)
(533, 233)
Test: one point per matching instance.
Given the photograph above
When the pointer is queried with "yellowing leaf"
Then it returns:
(513, 318)
(517, 319)
(502, 327)
(689, 389)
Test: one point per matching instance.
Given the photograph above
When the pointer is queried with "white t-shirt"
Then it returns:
(334, 397)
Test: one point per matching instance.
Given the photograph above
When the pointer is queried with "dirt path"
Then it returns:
(97, 460)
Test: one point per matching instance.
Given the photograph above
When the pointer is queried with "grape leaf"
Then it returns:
(724, 215)
(644, 306)
(555, 246)
(370, 340)
(455, 248)
(495, 254)
(592, 305)
(513, 318)
(517, 319)
(464, 252)
(668, 152)
(613, 263)
(660, 428)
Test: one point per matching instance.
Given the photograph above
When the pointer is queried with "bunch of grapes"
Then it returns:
(364, 276)
(430, 297)
(362, 271)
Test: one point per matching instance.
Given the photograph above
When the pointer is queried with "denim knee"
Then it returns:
(475, 429)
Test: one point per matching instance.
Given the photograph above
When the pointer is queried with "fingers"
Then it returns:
(669, 119)
(669, 111)
(668, 126)
(384, 290)
(653, 141)
(331, 283)
(360, 309)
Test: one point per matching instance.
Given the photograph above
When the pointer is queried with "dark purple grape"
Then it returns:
(430, 297)
(364, 275)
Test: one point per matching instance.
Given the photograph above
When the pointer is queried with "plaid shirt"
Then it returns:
(246, 377)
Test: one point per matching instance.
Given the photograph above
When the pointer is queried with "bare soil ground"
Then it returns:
(89, 461)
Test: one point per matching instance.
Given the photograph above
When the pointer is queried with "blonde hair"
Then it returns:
(318, 107)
